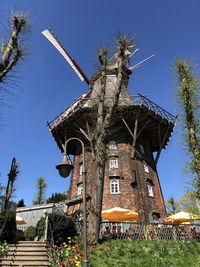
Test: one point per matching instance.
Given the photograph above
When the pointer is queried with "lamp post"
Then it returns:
(64, 169)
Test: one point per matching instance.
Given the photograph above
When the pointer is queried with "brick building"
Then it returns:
(140, 130)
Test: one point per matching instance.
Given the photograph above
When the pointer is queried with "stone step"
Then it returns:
(24, 265)
(26, 254)
(27, 251)
(27, 245)
(30, 242)
(26, 257)
(25, 262)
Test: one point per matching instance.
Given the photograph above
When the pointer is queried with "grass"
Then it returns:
(125, 253)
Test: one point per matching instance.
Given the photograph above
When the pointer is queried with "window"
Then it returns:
(114, 186)
(145, 166)
(80, 189)
(112, 145)
(113, 163)
(142, 149)
(154, 217)
(80, 168)
(150, 189)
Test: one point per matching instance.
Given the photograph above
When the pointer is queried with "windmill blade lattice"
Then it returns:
(52, 38)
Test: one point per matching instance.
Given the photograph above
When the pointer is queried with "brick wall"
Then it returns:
(133, 193)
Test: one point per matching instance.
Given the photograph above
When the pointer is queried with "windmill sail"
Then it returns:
(52, 38)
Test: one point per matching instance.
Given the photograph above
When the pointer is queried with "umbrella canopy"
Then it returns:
(20, 220)
(181, 216)
(118, 215)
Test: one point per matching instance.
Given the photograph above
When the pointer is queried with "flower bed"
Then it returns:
(67, 254)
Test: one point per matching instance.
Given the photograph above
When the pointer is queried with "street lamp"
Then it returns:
(64, 169)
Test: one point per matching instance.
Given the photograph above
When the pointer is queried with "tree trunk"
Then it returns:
(104, 114)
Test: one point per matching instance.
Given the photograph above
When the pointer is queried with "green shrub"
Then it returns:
(61, 225)
(40, 228)
(3, 248)
(146, 254)
(30, 232)
(9, 231)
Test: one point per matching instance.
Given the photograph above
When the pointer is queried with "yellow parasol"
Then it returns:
(118, 215)
(181, 216)
(20, 220)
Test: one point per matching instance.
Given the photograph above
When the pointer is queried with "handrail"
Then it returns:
(137, 100)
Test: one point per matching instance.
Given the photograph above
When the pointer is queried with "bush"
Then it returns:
(40, 228)
(9, 231)
(61, 225)
(30, 232)
(164, 253)
(3, 249)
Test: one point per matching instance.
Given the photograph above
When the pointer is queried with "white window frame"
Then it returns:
(142, 149)
(113, 163)
(112, 145)
(80, 189)
(80, 169)
(114, 186)
(150, 189)
(145, 166)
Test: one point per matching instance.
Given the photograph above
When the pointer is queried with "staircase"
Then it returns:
(26, 254)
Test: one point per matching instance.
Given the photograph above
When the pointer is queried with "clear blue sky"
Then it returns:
(47, 85)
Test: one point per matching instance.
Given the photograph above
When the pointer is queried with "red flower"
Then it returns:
(72, 260)
(77, 250)
(81, 255)
(76, 246)
(60, 263)
(73, 242)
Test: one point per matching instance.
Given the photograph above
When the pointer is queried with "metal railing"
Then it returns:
(136, 231)
(137, 100)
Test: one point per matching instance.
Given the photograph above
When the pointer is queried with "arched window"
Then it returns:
(113, 163)
(114, 186)
(150, 188)
(112, 145)
(145, 166)
(80, 189)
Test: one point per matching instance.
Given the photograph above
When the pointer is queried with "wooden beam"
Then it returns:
(161, 146)
(143, 127)
(128, 128)
(135, 131)
(82, 131)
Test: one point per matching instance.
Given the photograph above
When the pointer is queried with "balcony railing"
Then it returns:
(137, 100)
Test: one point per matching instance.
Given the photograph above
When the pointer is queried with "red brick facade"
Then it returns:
(130, 180)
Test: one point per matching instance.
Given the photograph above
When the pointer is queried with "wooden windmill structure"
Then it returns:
(139, 127)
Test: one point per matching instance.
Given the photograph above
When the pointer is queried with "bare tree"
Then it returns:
(99, 133)
(12, 175)
(12, 49)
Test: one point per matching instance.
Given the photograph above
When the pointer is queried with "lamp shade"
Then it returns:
(64, 167)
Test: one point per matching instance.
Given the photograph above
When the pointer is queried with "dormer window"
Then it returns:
(112, 145)
(142, 149)
(145, 166)
(113, 163)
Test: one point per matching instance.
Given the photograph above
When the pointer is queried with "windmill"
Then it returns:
(56, 43)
